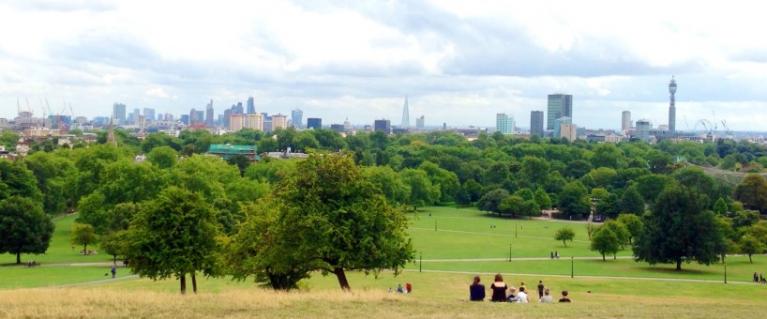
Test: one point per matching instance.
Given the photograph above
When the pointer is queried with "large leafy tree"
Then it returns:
(54, 175)
(752, 192)
(173, 235)
(491, 201)
(605, 241)
(24, 227)
(632, 202)
(389, 182)
(422, 191)
(341, 220)
(564, 235)
(574, 200)
(633, 224)
(679, 229)
(83, 234)
(17, 180)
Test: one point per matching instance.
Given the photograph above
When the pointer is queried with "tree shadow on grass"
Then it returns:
(671, 269)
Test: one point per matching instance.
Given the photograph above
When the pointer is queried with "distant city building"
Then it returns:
(672, 106)
(118, 113)
(420, 123)
(347, 125)
(642, 130)
(133, 116)
(236, 122)
(196, 117)
(314, 123)
(626, 121)
(279, 121)
(297, 118)
(504, 123)
(405, 115)
(184, 119)
(227, 151)
(209, 113)
(252, 121)
(559, 105)
(149, 114)
(339, 128)
(382, 126)
(568, 131)
(536, 123)
(251, 105)
(558, 125)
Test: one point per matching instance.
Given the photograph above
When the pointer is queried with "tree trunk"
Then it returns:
(182, 281)
(749, 259)
(18, 258)
(342, 281)
(615, 257)
(114, 259)
(85, 249)
(194, 283)
(679, 265)
(603, 257)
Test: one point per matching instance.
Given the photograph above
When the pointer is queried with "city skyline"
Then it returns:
(453, 59)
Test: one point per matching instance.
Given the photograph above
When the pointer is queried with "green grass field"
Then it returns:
(463, 244)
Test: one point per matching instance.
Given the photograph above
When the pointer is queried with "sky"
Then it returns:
(459, 62)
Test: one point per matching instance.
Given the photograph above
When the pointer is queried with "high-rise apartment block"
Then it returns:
(559, 105)
(536, 123)
(504, 123)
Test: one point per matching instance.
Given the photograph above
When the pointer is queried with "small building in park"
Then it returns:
(227, 151)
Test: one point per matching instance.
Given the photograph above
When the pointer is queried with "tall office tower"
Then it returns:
(237, 109)
(297, 117)
(405, 115)
(118, 113)
(227, 118)
(314, 122)
(642, 129)
(504, 123)
(382, 126)
(251, 105)
(149, 114)
(672, 106)
(236, 122)
(196, 117)
(133, 117)
(626, 121)
(559, 105)
(209, 121)
(420, 122)
(558, 123)
(536, 123)
(347, 125)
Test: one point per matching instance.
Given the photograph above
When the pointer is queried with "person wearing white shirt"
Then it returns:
(546, 297)
(522, 295)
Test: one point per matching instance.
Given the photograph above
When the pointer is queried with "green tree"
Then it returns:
(240, 161)
(54, 174)
(633, 224)
(750, 245)
(83, 234)
(114, 244)
(564, 235)
(17, 180)
(446, 180)
(720, 207)
(605, 242)
(679, 229)
(389, 182)
(574, 200)
(163, 156)
(542, 198)
(340, 219)
(24, 227)
(620, 231)
(491, 201)
(422, 191)
(632, 202)
(173, 235)
(511, 205)
(752, 192)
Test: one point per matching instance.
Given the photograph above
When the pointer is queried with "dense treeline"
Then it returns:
(253, 211)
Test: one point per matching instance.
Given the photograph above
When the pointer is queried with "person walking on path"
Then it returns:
(114, 271)
(540, 289)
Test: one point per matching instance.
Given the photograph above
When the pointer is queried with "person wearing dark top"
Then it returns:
(476, 290)
(756, 277)
(499, 289)
(565, 298)
(540, 289)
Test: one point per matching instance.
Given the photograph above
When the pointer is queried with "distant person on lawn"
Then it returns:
(114, 271)
(499, 289)
(546, 297)
(565, 298)
(540, 289)
(522, 295)
(476, 290)
(756, 277)
(512, 295)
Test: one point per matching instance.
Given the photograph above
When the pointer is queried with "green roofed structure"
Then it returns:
(226, 151)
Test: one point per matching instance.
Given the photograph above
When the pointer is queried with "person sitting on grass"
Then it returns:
(476, 290)
(522, 295)
(499, 289)
(546, 297)
(565, 298)
(512, 295)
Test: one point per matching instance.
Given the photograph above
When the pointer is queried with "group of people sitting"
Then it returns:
(759, 278)
(518, 295)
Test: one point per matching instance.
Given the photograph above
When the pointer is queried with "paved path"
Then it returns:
(706, 281)
(470, 260)
(489, 234)
(94, 282)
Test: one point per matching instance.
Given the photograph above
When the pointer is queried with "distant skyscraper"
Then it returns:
(536, 123)
(314, 122)
(297, 117)
(279, 121)
(405, 115)
(672, 106)
(251, 105)
(118, 113)
(237, 108)
(626, 121)
(209, 114)
(149, 114)
(504, 123)
(196, 117)
(558, 125)
(642, 129)
(559, 105)
(382, 126)
(420, 122)
(133, 116)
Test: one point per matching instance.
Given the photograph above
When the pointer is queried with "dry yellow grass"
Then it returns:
(102, 302)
